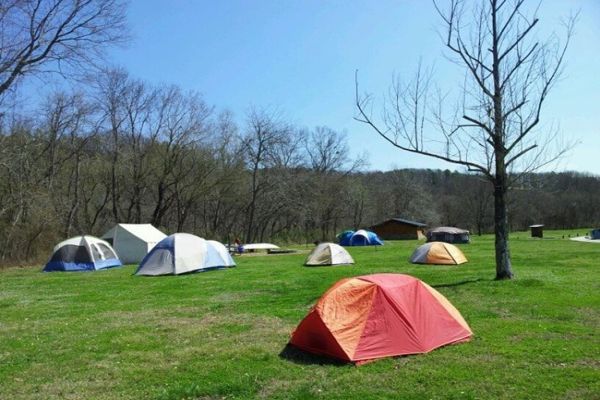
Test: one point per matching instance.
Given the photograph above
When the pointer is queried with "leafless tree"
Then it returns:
(327, 150)
(38, 36)
(222, 204)
(495, 127)
(143, 122)
(184, 127)
(330, 163)
(267, 134)
(478, 203)
(66, 129)
(111, 88)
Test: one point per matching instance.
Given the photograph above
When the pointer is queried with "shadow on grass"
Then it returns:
(298, 356)
(460, 283)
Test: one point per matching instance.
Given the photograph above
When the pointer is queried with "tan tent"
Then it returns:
(438, 253)
(328, 254)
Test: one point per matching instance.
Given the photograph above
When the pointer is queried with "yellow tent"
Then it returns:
(438, 253)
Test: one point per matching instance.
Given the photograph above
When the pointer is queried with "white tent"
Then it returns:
(218, 254)
(329, 254)
(133, 241)
(182, 252)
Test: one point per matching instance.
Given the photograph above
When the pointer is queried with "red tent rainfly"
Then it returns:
(373, 316)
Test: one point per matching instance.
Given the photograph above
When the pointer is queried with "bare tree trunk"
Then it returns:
(99, 209)
(75, 203)
(503, 263)
(252, 206)
(7, 248)
(113, 176)
(159, 208)
(138, 204)
(215, 218)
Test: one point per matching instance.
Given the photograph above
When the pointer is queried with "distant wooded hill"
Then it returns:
(137, 154)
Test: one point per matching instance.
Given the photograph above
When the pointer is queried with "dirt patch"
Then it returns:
(229, 297)
(483, 358)
(544, 336)
(581, 393)
(265, 254)
(275, 386)
(100, 385)
(588, 362)
(192, 321)
(588, 317)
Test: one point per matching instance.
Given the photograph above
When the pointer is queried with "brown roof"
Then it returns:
(403, 221)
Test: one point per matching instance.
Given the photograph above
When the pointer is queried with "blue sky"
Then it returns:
(299, 58)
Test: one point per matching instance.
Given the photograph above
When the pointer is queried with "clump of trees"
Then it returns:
(123, 150)
(127, 151)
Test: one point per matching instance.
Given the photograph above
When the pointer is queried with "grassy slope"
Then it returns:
(111, 335)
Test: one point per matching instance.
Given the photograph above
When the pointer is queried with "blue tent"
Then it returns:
(595, 234)
(344, 237)
(360, 238)
(82, 253)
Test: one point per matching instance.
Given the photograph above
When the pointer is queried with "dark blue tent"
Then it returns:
(595, 234)
(82, 253)
(344, 237)
(360, 238)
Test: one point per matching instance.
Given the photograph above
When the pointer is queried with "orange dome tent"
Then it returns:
(438, 253)
(381, 315)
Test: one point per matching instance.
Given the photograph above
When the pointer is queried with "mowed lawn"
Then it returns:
(219, 334)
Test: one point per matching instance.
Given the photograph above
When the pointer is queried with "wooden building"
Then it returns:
(399, 229)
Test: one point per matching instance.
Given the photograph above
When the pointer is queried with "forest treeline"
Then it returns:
(122, 150)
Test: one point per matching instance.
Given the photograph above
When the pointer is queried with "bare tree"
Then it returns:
(66, 129)
(112, 85)
(478, 203)
(328, 157)
(327, 150)
(265, 137)
(494, 128)
(141, 127)
(222, 204)
(39, 36)
(184, 126)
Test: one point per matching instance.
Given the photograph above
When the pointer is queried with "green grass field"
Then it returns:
(219, 334)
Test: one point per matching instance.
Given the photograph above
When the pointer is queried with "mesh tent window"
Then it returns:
(96, 252)
(106, 252)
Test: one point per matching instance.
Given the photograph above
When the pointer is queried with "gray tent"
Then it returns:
(448, 234)
(181, 253)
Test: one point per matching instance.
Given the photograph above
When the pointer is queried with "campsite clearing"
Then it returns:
(219, 334)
